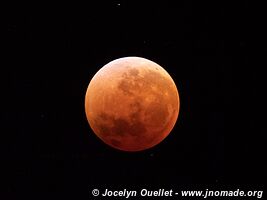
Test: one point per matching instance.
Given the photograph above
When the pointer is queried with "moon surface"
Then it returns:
(132, 104)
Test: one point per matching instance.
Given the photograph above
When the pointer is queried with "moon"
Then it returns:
(132, 104)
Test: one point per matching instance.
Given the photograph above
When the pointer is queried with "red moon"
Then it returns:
(132, 104)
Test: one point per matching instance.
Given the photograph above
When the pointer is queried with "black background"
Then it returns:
(54, 51)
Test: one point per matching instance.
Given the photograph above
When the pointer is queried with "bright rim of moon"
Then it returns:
(132, 104)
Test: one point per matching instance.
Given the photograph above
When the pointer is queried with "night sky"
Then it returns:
(54, 51)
